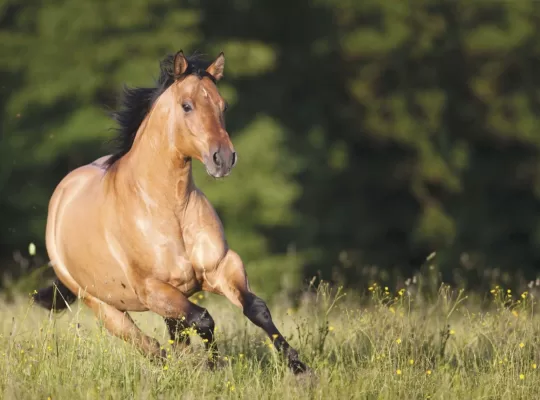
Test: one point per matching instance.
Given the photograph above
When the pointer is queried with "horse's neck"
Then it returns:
(160, 176)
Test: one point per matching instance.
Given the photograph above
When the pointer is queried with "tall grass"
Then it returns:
(383, 346)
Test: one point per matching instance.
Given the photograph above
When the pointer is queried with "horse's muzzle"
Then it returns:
(220, 161)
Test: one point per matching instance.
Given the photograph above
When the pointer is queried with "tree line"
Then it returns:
(370, 134)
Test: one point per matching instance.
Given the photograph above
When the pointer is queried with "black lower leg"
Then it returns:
(203, 323)
(256, 311)
(177, 330)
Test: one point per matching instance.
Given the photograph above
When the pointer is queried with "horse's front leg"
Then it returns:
(179, 312)
(231, 280)
(177, 328)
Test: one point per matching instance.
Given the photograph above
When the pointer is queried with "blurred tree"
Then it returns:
(357, 88)
(498, 115)
(369, 133)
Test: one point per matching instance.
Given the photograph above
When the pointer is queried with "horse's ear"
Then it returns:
(180, 64)
(217, 67)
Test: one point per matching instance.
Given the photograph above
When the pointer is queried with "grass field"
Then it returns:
(386, 346)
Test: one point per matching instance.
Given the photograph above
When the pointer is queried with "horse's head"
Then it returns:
(199, 123)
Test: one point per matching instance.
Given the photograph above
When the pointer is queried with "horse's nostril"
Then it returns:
(216, 159)
(234, 158)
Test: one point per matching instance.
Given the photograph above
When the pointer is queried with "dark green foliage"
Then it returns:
(368, 132)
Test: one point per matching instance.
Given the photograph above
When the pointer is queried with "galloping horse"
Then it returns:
(132, 232)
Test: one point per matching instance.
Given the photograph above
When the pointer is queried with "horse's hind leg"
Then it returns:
(233, 283)
(121, 325)
(170, 303)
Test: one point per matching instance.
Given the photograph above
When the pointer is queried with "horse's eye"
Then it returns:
(187, 107)
(225, 106)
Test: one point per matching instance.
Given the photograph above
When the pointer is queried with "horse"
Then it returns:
(132, 232)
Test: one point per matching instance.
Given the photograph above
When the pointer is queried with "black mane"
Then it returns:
(136, 102)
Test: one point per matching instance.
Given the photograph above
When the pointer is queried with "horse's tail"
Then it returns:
(56, 297)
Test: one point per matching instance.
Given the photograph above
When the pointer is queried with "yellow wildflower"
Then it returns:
(522, 345)
(534, 366)
(166, 367)
(521, 376)
(452, 332)
(330, 328)
(398, 372)
(411, 362)
(398, 340)
(171, 341)
(428, 372)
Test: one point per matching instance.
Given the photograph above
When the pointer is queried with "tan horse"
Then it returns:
(132, 232)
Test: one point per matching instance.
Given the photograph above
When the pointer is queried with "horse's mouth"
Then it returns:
(218, 174)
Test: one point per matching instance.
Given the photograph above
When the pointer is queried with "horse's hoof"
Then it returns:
(160, 357)
(181, 349)
(216, 363)
(298, 367)
(157, 357)
(305, 377)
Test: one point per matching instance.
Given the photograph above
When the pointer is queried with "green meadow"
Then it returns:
(380, 345)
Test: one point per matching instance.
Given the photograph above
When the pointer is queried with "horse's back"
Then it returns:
(74, 185)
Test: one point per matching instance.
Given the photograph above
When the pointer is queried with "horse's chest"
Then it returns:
(182, 275)
(165, 251)
(171, 265)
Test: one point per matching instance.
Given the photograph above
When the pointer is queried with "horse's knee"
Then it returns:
(257, 311)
